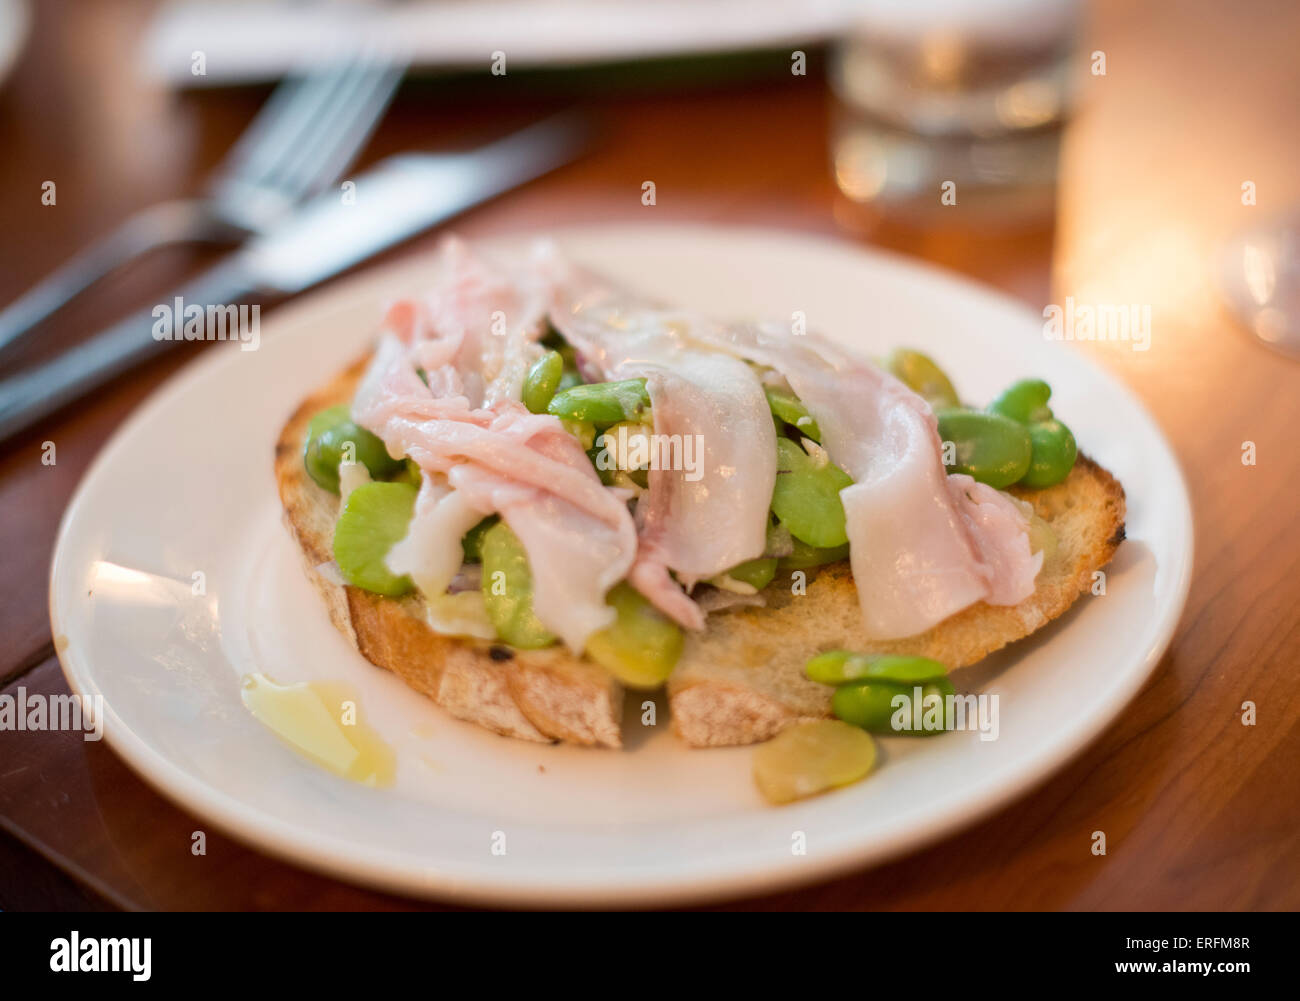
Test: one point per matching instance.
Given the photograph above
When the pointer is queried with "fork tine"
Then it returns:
(286, 100)
(274, 133)
(328, 148)
(352, 138)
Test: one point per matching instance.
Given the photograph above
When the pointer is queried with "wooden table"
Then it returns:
(1200, 811)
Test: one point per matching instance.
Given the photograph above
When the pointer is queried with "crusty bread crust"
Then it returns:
(739, 681)
(539, 695)
(742, 680)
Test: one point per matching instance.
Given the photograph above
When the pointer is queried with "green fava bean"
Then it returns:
(1025, 402)
(331, 437)
(867, 704)
(543, 381)
(584, 431)
(838, 667)
(807, 496)
(602, 402)
(1053, 455)
(811, 758)
(642, 646)
(508, 589)
(872, 705)
(373, 520)
(805, 557)
(919, 373)
(756, 573)
(989, 447)
(791, 410)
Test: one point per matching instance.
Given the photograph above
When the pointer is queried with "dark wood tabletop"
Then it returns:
(1200, 97)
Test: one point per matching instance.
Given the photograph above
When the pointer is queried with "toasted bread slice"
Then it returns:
(739, 681)
(742, 679)
(539, 695)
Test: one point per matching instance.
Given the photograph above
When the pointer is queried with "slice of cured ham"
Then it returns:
(482, 452)
(923, 545)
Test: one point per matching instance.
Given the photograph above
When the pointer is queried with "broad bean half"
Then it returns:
(1052, 443)
(642, 646)
(888, 707)
(989, 447)
(507, 584)
(807, 496)
(919, 373)
(374, 518)
(757, 573)
(602, 403)
(543, 381)
(790, 409)
(1054, 452)
(838, 667)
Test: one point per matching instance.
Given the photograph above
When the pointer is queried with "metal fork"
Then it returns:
(302, 140)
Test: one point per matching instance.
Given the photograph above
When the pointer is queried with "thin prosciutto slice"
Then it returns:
(481, 451)
(713, 515)
(923, 545)
(702, 518)
(474, 328)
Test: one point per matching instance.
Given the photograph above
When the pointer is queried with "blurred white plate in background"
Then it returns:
(244, 42)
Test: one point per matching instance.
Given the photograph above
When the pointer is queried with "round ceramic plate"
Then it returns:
(186, 488)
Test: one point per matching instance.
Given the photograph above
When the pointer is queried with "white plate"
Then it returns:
(245, 41)
(186, 486)
(15, 21)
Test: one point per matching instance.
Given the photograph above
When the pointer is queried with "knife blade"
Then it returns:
(393, 201)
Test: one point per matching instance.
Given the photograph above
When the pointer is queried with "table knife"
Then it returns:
(393, 201)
